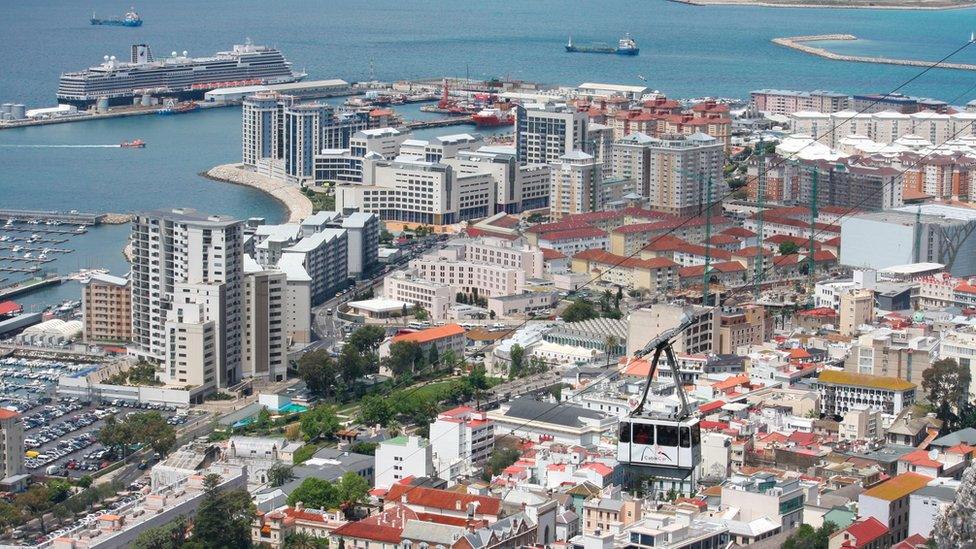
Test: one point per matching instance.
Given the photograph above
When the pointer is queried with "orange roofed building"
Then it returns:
(445, 338)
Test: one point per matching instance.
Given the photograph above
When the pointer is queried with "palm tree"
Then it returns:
(301, 540)
(611, 343)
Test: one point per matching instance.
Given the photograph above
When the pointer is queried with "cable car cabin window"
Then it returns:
(696, 435)
(685, 437)
(643, 433)
(624, 432)
(667, 435)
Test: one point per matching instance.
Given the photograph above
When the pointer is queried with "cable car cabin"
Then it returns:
(659, 442)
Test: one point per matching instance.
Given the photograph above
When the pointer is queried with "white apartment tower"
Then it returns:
(265, 346)
(179, 257)
(260, 122)
(679, 170)
(574, 180)
(543, 133)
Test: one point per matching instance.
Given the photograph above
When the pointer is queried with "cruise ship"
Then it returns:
(177, 76)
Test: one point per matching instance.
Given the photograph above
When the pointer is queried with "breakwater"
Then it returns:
(799, 43)
(298, 205)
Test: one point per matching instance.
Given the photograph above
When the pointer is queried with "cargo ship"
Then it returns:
(625, 46)
(178, 77)
(130, 19)
(492, 118)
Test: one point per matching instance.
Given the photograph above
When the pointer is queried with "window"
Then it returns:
(643, 434)
(667, 435)
(624, 435)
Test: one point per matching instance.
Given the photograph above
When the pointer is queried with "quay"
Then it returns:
(41, 229)
(29, 286)
(439, 123)
(72, 218)
(799, 43)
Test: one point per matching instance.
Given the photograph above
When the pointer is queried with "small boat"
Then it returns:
(130, 19)
(135, 144)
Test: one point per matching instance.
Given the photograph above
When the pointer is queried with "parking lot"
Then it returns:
(61, 438)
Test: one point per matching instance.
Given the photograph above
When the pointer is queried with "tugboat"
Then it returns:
(625, 46)
(130, 19)
(136, 144)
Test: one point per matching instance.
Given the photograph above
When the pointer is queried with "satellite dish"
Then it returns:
(174, 54)
(112, 58)
(105, 58)
(933, 454)
(184, 53)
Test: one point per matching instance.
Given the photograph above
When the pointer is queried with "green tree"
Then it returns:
(318, 371)
(353, 364)
(610, 343)
(806, 537)
(946, 384)
(85, 481)
(279, 474)
(367, 339)
(116, 435)
(223, 519)
(171, 535)
(58, 490)
(151, 428)
(618, 297)
(579, 311)
(788, 248)
(351, 491)
(404, 357)
(34, 503)
(365, 448)
(500, 459)
(319, 422)
(263, 420)
(376, 410)
(419, 313)
(304, 540)
(517, 356)
(315, 493)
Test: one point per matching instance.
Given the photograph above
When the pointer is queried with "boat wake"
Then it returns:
(60, 146)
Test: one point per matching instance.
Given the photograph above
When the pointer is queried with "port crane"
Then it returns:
(663, 445)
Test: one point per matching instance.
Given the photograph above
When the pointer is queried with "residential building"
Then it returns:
(765, 495)
(789, 101)
(856, 309)
(324, 257)
(960, 345)
(544, 133)
(850, 183)
(262, 119)
(575, 178)
(925, 505)
(860, 423)
(12, 433)
(611, 512)
(701, 338)
(204, 256)
(302, 139)
(462, 440)
(265, 348)
(519, 187)
(363, 242)
(402, 457)
(655, 275)
(749, 325)
(904, 354)
(434, 297)
(470, 277)
(562, 423)
(869, 533)
(381, 142)
(447, 338)
(106, 306)
(523, 305)
(841, 392)
(679, 171)
(631, 159)
(889, 502)
(273, 528)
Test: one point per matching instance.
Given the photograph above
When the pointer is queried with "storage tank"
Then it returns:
(5, 108)
(18, 111)
(102, 104)
(146, 100)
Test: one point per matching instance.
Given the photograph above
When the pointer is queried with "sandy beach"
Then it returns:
(298, 205)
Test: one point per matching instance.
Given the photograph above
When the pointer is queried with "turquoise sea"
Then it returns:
(686, 51)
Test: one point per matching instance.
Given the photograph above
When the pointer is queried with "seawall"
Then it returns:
(298, 205)
(799, 43)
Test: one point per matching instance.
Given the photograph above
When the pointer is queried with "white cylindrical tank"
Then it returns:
(18, 111)
(102, 104)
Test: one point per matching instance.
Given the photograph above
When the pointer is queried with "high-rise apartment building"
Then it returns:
(631, 158)
(575, 180)
(181, 257)
(544, 133)
(679, 172)
(265, 347)
(12, 460)
(106, 306)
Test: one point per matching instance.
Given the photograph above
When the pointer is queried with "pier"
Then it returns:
(71, 218)
(439, 123)
(799, 43)
(28, 286)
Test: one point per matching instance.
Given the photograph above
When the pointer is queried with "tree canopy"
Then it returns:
(346, 493)
(319, 422)
(223, 519)
(318, 371)
(946, 383)
(579, 311)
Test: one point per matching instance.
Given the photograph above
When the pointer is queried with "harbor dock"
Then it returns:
(68, 218)
(799, 43)
(29, 286)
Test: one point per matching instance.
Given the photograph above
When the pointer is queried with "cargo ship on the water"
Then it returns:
(625, 46)
(178, 77)
(130, 19)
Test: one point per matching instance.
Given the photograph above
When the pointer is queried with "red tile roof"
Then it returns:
(443, 499)
(430, 334)
(741, 232)
(920, 458)
(375, 532)
(607, 258)
(573, 234)
(599, 468)
(721, 267)
(665, 243)
(548, 254)
(711, 406)
(864, 532)
(752, 251)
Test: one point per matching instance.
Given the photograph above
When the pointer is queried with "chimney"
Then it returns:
(299, 505)
(457, 505)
